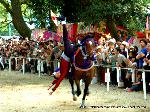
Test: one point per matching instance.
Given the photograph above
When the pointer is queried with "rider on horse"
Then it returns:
(66, 59)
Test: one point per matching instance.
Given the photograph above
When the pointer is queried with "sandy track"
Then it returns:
(28, 93)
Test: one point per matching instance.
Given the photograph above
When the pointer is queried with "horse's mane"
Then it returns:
(78, 58)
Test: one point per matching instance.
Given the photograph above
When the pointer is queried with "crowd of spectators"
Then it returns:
(122, 54)
(108, 52)
(47, 52)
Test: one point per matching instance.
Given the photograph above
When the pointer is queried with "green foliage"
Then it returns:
(3, 21)
(128, 13)
(123, 11)
(41, 11)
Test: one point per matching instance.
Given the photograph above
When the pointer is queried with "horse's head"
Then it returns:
(88, 45)
(84, 57)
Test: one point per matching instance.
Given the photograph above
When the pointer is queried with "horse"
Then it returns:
(84, 69)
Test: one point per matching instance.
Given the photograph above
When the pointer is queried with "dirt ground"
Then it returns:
(28, 93)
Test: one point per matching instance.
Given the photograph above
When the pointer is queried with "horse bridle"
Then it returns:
(83, 51)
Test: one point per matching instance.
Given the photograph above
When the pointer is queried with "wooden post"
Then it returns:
(23, 66)
(144, 84)
(107, 78)
(133, 75)
(39, 63)
(10, 64)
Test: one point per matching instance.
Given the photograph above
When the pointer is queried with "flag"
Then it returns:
(147, 23)
(54, 18)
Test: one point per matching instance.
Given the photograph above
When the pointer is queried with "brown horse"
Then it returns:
(83, 68)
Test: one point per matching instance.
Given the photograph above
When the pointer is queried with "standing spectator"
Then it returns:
(121, 61)
(100, 69)
(122, 47)
(142, 53)
(147, 67)
(119, 36)
(1, 62)
(113, 72)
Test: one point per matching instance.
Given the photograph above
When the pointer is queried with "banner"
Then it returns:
(42, 35)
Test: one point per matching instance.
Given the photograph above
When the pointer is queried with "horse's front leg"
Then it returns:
(86, 91)
(71, 81)
(78, 92)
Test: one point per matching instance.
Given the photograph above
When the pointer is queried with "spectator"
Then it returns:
(147, 67)
(122, 47)
(1, 62)
(142, 53)
(137, 86)
(100, 61)
(121, 61)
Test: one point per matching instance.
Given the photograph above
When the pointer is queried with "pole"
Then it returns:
(144, 84)
(39, 67)
(107, 78)
(10, 64)
(23, 68)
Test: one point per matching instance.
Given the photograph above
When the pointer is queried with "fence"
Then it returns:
(107, 76)
(55, 62)
(107, 73)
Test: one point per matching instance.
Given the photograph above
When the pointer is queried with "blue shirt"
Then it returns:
(143, 51)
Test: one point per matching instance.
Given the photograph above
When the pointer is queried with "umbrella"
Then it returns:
(140, 35)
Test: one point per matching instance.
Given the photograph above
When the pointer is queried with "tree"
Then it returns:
(41, 11)
(40, 14)
(14, 8)
(3, 21)
(113, 12)
(128, 13)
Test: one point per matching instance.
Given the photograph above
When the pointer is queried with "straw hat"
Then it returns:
(60, 44)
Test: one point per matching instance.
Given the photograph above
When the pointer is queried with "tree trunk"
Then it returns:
(18, 20)
(112, 27)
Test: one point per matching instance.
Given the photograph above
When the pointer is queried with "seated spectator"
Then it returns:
(137, 86)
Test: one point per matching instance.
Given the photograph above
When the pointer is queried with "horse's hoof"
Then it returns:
(82, 106)
(74, 98)
(87, 94)
(78, 93)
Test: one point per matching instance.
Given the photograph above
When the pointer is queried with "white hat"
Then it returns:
(112, 40)
(99, 47)
(125, 43)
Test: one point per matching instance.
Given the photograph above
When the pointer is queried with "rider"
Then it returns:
(66, 59)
